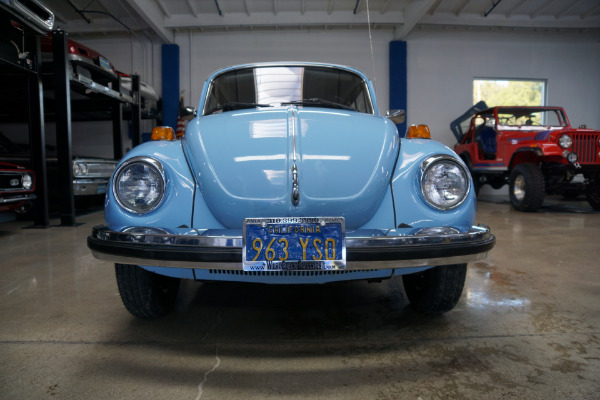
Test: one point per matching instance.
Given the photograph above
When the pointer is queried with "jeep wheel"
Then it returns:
(436, 290)
(592, 191)
(146, 294)
(526, 187)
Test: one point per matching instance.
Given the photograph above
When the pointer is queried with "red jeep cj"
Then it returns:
(533, 149)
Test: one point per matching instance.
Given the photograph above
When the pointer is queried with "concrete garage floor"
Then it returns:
(526, 327)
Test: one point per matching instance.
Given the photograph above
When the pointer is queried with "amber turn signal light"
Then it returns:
(162, 133)
(418, 131)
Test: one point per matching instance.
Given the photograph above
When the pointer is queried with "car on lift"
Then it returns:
(84, 63)
(17, 188)
(288, 174)
(534, 150)
(20, 19)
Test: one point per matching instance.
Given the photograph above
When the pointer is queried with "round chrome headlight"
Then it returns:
(565, 141)
(79, 168)
(444, 182)
(27, 182)
(139, 185)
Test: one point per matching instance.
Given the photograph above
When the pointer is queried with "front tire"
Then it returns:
(526, 187)
(592, 191)
(145, 294)
(436, 290)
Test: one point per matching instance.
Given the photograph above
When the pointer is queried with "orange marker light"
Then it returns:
(418, 131)
(162, 133)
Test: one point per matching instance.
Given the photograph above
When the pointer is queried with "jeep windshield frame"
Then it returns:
(530, 118)
(299, 85)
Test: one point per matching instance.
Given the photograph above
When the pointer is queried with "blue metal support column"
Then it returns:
(398, 80)
(170, 84)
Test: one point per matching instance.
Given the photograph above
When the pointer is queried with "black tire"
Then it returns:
(436, 290)
(526, 187)
(146, 294)
(592, 191)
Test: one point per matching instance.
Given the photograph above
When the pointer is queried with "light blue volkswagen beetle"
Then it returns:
(289, 175)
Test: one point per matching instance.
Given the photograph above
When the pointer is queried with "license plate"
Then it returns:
(294, 244)
(101, 189)
(104, 63)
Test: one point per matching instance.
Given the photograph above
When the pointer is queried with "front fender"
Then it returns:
(410, 205)
(177, 204)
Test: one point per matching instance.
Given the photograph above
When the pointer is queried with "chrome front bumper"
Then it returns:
(16, 198)
(89, 187)
(222, 250)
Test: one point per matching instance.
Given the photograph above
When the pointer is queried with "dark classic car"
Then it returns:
(288, 174)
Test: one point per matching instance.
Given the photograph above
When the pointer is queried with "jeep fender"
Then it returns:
(525, 155)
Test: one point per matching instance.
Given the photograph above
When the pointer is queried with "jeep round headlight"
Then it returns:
(139, 185)
(444, 182)
(565, 141)
(27, 182)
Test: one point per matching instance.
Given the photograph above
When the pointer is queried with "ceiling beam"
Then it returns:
(150, 12)
(458, 10)
(282, 19)
(412, 16)
(514, 8)
(517, 21)
(569, 6)
(434, 7)
(591, 11)
(384, 7)
(163, 8)
(192, 8)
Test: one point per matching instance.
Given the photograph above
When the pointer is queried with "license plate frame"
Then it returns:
(322, 248)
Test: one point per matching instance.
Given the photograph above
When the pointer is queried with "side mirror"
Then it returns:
(397, 116)
(187, 112)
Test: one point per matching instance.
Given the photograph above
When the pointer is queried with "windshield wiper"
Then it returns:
(235, 105)
(316, 102)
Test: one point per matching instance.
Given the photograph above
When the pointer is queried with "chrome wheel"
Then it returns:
(519, 188)
(527, 189)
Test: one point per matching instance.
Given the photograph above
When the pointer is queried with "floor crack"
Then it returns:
(213, 369)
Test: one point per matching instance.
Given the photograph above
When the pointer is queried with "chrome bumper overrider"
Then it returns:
(214, 249)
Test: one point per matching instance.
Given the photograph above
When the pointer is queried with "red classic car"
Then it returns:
(532, 149)
(85, 63)
(17, 185)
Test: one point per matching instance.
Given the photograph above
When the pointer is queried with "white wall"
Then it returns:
(212, 51)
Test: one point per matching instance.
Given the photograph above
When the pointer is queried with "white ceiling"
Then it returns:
(163, 18)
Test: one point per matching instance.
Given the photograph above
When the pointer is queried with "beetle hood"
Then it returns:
(249, 163)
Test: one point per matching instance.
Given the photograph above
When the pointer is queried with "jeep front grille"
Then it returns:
(584, 145)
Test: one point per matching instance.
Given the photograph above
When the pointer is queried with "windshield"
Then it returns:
(531, 117)
(275, 86)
